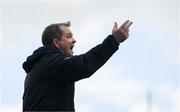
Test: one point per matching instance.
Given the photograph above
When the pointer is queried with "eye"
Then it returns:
(69, 35)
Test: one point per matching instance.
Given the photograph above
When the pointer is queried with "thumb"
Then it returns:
(115, 26)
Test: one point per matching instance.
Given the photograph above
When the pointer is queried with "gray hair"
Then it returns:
(53, 31)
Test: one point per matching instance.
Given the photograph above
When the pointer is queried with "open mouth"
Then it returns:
(71, 47)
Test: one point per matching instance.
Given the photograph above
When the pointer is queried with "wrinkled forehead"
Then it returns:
(65, 29)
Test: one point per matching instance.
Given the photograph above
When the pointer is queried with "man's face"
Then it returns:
(66, 43)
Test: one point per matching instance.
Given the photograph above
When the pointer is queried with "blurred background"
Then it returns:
(142, 76)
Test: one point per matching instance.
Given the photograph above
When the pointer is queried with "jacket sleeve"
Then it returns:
(83, 66)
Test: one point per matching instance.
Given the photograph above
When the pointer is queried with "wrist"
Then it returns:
(114, 39)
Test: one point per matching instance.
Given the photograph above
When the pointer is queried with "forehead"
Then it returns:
(65, 29)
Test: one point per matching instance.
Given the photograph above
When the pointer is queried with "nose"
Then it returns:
(74, 41)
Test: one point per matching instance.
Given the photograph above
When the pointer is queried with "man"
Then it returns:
(52, 69)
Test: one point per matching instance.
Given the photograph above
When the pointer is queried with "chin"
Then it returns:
(71, 53)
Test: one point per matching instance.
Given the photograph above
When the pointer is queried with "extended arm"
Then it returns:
(83, 66)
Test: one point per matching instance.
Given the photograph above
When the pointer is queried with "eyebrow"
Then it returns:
(70, 33)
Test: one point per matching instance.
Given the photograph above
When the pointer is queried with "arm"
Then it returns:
(83, 66)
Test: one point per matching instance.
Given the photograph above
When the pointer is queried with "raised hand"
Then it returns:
(121, 33)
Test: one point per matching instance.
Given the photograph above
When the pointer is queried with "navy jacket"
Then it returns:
(49, 83)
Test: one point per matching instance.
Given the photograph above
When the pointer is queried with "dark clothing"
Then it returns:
(49, 84)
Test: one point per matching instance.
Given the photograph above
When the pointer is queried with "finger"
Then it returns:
(124, 24)
(128, 24)
(127, 30)
(115, 26)
(126, 34)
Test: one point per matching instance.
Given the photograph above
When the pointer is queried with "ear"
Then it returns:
(55, 42)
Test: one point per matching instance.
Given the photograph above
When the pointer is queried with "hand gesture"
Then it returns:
(121, 34)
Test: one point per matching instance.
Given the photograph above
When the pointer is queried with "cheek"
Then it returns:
(64, 46)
